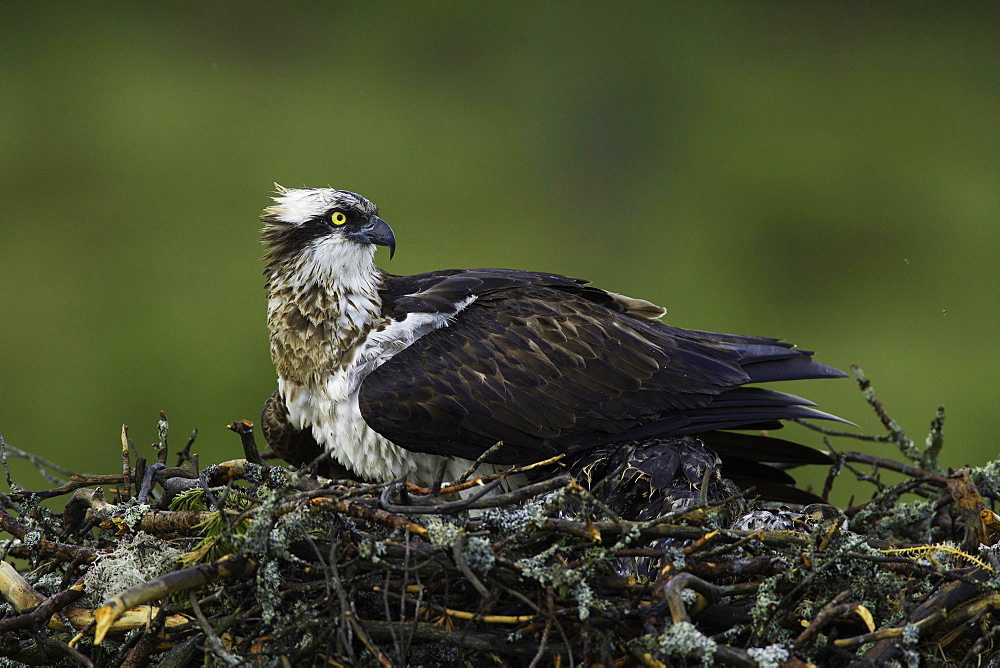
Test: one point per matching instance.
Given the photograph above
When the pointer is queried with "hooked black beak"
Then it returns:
(378, 232)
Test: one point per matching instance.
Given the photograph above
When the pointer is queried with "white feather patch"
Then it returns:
(296, 206)
(333, 413)
(397, 337)
(351, 265)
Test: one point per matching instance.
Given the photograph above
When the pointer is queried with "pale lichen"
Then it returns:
(269, 581)
(771, 656)
(512, 520)
(136, 558)
(479, 554)
(132, 513)
(682, 641)
(442, 531)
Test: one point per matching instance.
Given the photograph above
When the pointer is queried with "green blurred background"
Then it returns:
(826, 173)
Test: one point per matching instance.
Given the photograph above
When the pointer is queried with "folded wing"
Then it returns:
(547, 364)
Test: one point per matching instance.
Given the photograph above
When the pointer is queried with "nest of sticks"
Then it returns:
(248, 563)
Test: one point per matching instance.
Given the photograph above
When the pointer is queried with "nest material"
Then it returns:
(279, 568)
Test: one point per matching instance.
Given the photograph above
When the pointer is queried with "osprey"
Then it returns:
(384, 374)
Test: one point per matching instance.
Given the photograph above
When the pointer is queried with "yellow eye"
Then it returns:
(338, 218)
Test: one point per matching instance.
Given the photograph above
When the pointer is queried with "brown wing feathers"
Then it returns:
(549, 365)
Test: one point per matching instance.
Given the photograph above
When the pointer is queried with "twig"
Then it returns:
(935, 440)
(125, 491)
(882, 438)
(896, 434)
(481, 498)
(3, 459)
(835, 608)
(479, 461)
(162, 428)
(213, 639)
(244, 428)
(540, 654)
(41, 614)
(354, 508)
(893, 465)
(834, 470)
(146, 644)
(58, 645)
(44, 547)
(40, 463)
(483, 642)
(147, 481)
(185, 454)
(421, 507)
(481, 480)
(74, 483)
(359, 630)
(458, 552)
(677, 584)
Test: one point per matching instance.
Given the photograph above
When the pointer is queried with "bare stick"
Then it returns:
(213, 639)
(39, 463)
(244, 428)
(185, 454)
(125, 491)
(162, 428)
(479, 461)
(906, 446)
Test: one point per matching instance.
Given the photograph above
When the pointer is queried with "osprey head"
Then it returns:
(323, 221)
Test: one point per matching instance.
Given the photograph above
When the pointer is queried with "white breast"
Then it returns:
(332, 412)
